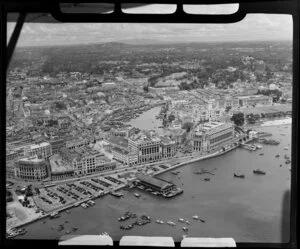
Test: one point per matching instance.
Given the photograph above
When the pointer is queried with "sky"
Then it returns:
(254, 27)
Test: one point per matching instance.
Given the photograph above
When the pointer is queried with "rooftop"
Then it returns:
(155, 181)
(59, 165)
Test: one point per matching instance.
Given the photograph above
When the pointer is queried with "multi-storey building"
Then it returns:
(169, 147)
(148, 148)
(124, 156)
(31, 168)
(77, 143)
(57, 145)
(43, 149)
(86, 160)
(212, 135)
(245, 101)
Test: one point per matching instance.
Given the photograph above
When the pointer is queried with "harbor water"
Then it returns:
(248, 210)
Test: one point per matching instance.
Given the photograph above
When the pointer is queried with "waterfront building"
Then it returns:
(85, 160)
(124, 156)
(169, 147)
(43, 149)
(158, 185)
(147, 146)
(212, 135)
(245, 101)
(59, 168)
(31, 168)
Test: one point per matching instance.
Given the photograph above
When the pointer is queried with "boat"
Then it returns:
(149, 189)
(175, 172)
(76, 205)
(117, 194)
(185, 229)
(285, 148)
(159, 221)
(259, 172)
(239, 175)
(261, 154)
(277, 156)
(287, 161)
(84, 205)
(195, 217)
(137, 195)
(187, 222)
(54, 215)
(181, 220)
(259, 146)
(90, 203)
(171, 223)
(206, 179)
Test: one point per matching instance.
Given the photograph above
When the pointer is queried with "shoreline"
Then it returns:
(199, 158)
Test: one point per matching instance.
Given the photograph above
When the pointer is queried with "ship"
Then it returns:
(116, 194)
(259, 172)
(171, 223)
(239, 175)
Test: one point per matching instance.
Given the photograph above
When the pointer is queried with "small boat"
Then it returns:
(195, 217)
(261, 154)
(287, 161)
(203, 221)
(54, 215)
(67, 211)
(206, 179)
(239, 175)
(259, 172)
(160, 222)
(84, 205)
(258, 146)
(185, 229)
(187, 222)
(171, 223)
(74, 229)
(286, 148)
(137, 195)
(277, 156)
(181, 220)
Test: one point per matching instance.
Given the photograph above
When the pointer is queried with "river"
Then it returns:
(248, 210)
(147, 120)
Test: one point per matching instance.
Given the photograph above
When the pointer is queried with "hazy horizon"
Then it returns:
(254, 27)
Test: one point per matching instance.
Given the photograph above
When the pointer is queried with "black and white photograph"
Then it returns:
(180, 130)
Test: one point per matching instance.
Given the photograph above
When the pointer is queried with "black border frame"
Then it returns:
(291, 7)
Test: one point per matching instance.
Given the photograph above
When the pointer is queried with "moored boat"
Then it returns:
(137, 195)
(239, 175)
(171, 223)
(181, 220)
(185, 229)
(259, 172)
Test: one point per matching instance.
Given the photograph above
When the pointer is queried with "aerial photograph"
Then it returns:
(179, 130)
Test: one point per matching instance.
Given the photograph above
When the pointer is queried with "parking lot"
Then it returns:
(54, 197)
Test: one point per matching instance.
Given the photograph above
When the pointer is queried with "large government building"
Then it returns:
(212, 135)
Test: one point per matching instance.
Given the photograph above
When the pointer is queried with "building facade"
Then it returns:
(31, 168)
(43, 149)
(211, 136)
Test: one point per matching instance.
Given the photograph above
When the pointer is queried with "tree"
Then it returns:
(238, 118)
(146, 89)
(228, 108)
(171, 118)
(187, 126)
